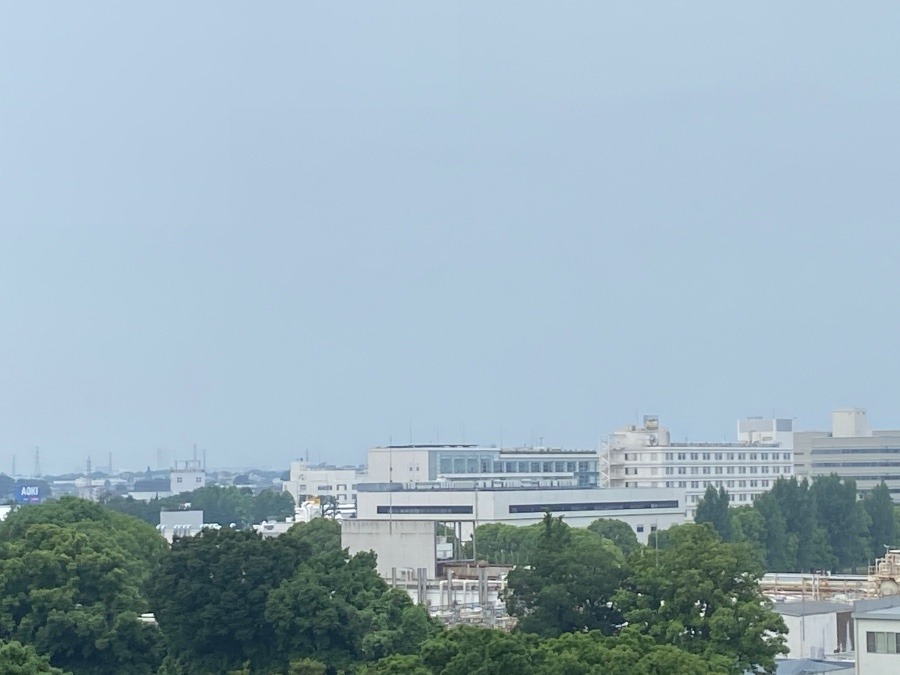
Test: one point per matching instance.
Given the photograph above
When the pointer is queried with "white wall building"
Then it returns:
(878, 641)
(646, 457)
(851, 449)
(187, 475)
(468, 465)
(817, 628)
(321, 481)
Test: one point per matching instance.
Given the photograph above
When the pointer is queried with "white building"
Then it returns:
(646, 457)
(878, 640)
(484, 466)
(817, 628)
(338, 483)
(186, 476)
(851, 449)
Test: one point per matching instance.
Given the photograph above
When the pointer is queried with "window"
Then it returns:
(640, 528)
(198, 479)
(753, 469)
(706, 456)
(764, 456)
(764, 483)
(776, 469)
(742, 483)
(718, 483)
(682, 471)
(718, 456)
(774, 455)
(694, 455)
(729, 469)
(730, 455)
(670, 456)
(669, 470)
(669, 483)
(742, 456)
(682, 455)
(706, 470)
(719, 470)
(326, 488)
(653, 528)
(342, 486)
(753, 455)
(787, 470)
(631, 471)
(682, 483)
(742, 498)
(729, 483)
(695, 483)
(695, 470)
(178, 480)
(786, 456)
(882, 643)
(754, 483)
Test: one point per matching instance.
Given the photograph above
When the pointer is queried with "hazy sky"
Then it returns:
(272, 227)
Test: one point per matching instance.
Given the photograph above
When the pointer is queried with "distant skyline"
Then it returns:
(267, 229)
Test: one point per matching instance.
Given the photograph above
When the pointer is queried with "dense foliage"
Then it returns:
(800, 527)
(75, 578)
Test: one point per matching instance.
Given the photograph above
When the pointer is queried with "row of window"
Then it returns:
(718, 470)
(696, 484)
(458, 509)
(729, 456)
(326, 488)
(460, 465)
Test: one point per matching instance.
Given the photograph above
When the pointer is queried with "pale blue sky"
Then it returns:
(267, 227)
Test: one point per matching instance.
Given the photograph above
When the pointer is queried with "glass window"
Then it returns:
(548, 467)
(719, 456)
(560, 467)
(706, 455)
(670, 456)
(459, 465)
(694, 455)
(570, 467)
(535, 467)
(764, 456)
(471, 465)
(446, 464)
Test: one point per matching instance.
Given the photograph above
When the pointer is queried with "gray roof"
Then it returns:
(808, 607)
(809, 666)
(892, 613)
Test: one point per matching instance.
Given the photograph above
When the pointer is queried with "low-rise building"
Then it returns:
(186, 476)
(878, 640)
(338, 483)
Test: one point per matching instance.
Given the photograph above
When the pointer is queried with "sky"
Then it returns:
(287, 228)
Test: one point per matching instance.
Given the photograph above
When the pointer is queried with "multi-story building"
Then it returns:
(646, 457)
(852, 449)
(483, 466)
(338, 483)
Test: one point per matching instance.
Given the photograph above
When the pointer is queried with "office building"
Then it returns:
(338, 483)
(851, 449)
(646, 457)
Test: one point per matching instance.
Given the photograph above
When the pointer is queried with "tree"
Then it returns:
(628, 653)
(210, 596)
(336, 609)
(702, 595)
(222, 505)
(320, 535)
(502, 544)
(76, 597)
(781, 548)
(713, 509)
(478, 651)
(407, 664)
(271, 505)
(843, 517)
(569, 583)
(19, 659)
(748, 527)
(880, 508)
(618, 532)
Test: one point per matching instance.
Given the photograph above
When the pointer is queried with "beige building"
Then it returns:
(851, 449)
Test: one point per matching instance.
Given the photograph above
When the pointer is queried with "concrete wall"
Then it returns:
(875, 664)
(811, 636)
(404, 545)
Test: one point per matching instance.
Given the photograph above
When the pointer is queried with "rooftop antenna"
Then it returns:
(37, 462)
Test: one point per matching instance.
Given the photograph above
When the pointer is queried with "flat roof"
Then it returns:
(808, 607)
(891, 613)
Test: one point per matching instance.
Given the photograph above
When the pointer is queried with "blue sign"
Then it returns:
(29, 494)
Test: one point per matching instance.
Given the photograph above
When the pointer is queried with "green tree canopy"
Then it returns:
(210, 597)
(702, 595)
(880, 508)
(569, 583)
(713, 509)
(618, 532)
(19, 659)
(844, 519)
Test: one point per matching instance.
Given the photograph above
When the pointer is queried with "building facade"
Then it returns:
(483, 466)
(646, 457)
(851, 449)
(186, 476)
(338, 483)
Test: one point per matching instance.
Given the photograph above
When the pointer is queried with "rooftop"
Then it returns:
(809, 607)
